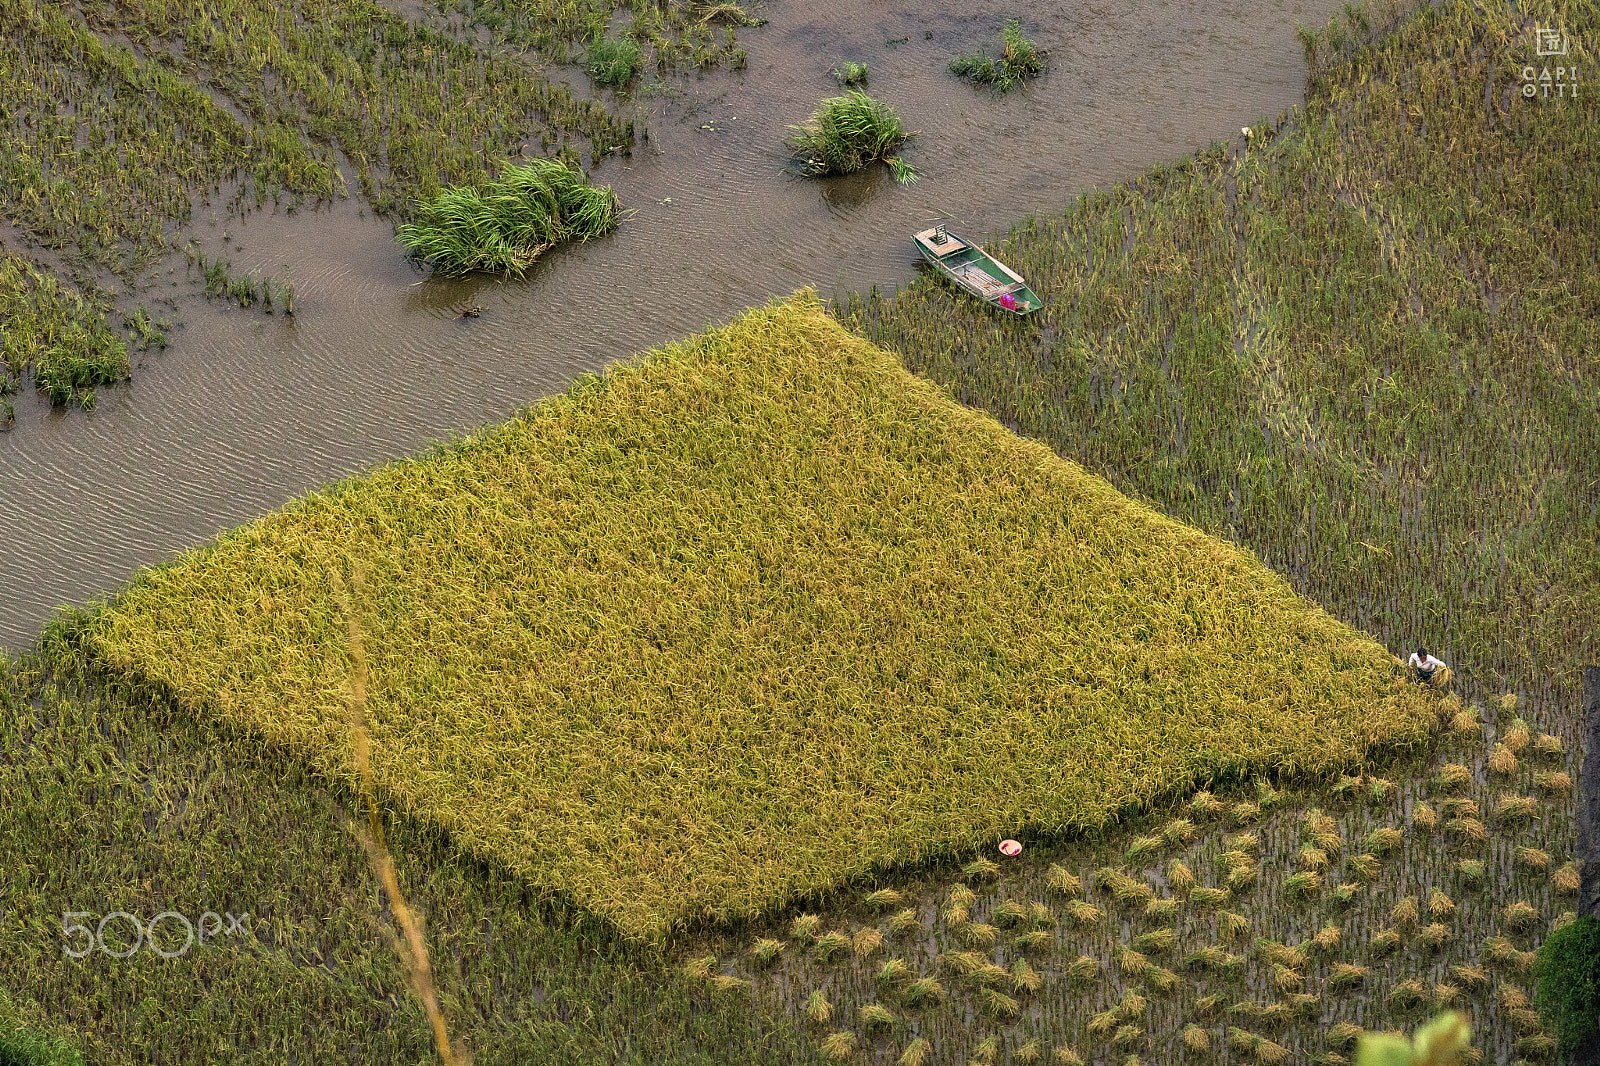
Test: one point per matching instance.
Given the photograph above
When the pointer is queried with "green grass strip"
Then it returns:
(752, 619)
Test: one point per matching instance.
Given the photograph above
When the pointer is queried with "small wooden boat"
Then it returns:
(976, 271)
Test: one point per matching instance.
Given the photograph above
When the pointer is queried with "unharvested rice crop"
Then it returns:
(574, 617)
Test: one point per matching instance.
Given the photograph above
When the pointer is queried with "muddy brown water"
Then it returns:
(245, 411)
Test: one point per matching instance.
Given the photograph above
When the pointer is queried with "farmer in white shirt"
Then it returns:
(1425, 665)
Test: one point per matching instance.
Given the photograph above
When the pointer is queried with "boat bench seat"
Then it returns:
(941, 247)
(990, 285)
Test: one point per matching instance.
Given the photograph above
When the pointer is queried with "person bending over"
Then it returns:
(1425, 665)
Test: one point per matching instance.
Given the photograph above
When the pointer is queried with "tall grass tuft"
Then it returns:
(504, 225)
(1019, 60)
(613, 61)
(848, 73)
(847, 133)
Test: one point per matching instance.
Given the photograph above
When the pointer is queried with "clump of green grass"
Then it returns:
(977, 934)
(1384, 839)
(847, 133)
(876, 1016)
(504, 225)
(613, 61)
(818, 1009)
(61, 335)
(1019, 60)
(1008, 913)
(848, 73)
(894, 971)
(1471, 872)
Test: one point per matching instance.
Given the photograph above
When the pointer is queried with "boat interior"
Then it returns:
(975, 275)
(939, 242)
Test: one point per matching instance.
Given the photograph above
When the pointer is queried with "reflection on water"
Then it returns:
(847, 192)
(245, 411)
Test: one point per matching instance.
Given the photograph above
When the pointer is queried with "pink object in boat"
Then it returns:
(1009, 302)
(1010, 847)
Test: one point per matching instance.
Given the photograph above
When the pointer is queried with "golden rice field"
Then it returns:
(1260, 925)
(750, 619)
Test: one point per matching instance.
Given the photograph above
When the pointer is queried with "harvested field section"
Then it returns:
(1199, 927)
(756, 617)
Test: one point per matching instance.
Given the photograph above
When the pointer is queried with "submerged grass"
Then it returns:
(847, 133)
(1019, 60)
(59, 335)
(578, 613)
(504, 225)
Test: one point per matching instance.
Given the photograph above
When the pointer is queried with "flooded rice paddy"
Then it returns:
(244, 411)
